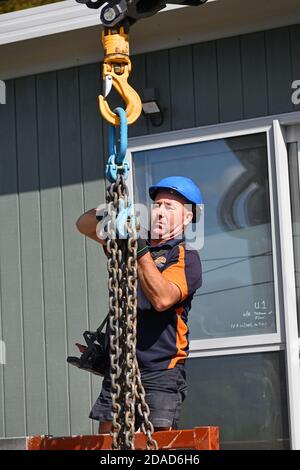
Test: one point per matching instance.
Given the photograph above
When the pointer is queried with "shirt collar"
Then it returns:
(167, 243)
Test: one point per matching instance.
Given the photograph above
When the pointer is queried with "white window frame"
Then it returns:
(283, 136)
(286, 337)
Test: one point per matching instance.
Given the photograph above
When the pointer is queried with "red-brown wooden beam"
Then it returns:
(201, 438)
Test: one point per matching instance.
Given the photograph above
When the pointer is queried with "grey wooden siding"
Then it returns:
(52, 144)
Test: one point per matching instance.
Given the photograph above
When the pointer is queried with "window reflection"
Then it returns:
(237, 296)
(245, 395)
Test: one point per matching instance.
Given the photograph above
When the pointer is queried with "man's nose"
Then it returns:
(158, 210)
(162, 211)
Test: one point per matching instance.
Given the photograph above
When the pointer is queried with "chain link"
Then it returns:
(127, 389)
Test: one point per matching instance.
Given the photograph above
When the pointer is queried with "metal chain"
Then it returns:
(144, 411)
(126, 384)
(113, 287)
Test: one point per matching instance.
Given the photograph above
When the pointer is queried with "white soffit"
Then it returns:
(67, 34)
(54, 18)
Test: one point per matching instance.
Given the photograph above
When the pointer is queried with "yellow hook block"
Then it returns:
(129, 95)
(117, 66)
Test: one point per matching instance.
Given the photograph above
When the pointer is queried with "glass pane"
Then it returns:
(237, 295)
(295, 203)
(245, 395)
(7, 6)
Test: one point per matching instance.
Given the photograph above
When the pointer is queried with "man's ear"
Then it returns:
(188, 216)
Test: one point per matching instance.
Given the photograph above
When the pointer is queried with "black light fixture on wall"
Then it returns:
(151, 108)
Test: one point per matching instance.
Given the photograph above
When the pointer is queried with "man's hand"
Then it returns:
(161, 293)
(142, 242)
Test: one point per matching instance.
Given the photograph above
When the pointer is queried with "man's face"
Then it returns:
(169, 214)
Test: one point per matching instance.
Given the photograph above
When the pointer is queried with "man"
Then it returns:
(168, 275)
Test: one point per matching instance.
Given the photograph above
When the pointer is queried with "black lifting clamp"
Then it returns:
(130, 11)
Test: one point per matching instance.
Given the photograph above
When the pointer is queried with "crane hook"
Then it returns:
(116, 70)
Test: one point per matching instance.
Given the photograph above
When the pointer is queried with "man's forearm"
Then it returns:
(161, 293)
(87, 223)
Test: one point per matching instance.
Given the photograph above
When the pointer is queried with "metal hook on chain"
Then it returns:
(117, 162)
(116, 70)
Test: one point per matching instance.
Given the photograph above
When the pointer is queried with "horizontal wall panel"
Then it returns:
(182, 88)
(206, 83)
(53, 251)
(31, 254)
(230, 79)
(295, 55)
(13, 400)
(279, 70)
(158, 78)
(254, 75)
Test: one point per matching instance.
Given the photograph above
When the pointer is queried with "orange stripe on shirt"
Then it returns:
(181, 339)
(176, 274)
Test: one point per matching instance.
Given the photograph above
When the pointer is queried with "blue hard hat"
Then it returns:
(180, 184)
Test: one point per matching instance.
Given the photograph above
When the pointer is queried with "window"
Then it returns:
(245, 395)
(243, 373)
(237, 296)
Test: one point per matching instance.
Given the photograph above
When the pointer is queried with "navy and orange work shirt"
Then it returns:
(163, 337)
